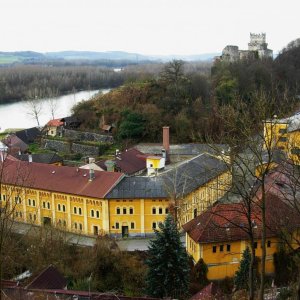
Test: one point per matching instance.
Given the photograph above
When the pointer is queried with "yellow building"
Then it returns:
(284, 134)
(219, 235)
(95, 202)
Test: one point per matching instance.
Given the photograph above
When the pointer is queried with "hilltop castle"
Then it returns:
(257, 48)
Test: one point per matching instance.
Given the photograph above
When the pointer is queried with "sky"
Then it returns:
(153, 27)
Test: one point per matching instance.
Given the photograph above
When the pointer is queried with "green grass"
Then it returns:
(8, 59)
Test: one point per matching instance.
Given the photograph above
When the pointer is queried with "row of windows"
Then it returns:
(19, 214)
(31, 202)
(95, 214)
(2, 197)
(61, 207)
(46, 205)
(124, 211)
(62, 222)
(78, 226)
(268, 244)
(77, 210)
(159, 210)
(117, 225)
(228, 248)
(32, 217)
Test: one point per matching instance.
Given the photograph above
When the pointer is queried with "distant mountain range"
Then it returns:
(73, 56)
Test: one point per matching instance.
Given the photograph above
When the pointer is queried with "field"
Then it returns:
(8, 59)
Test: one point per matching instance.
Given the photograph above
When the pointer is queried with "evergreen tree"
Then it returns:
(242, 274)
(168, 274)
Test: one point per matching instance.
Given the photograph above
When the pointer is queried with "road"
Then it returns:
(128, 244)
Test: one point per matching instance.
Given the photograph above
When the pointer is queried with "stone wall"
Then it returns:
(70, 147)
(87, 136)
(59, 146)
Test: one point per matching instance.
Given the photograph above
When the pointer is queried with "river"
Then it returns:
(17, 115)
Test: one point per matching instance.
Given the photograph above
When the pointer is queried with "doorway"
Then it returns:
(125, 231)
(95, 229)
(47, 221)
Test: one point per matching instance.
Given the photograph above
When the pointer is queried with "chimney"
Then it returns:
(166, 142)
(91, 174)
(110, 166)
(30, 158)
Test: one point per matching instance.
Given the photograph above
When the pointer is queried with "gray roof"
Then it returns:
(179, 181)
(45, 158)
(182, 149)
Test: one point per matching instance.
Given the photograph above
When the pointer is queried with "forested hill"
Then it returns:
(193, 104)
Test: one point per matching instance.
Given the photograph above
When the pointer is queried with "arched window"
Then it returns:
(75, 210)
(132, 225)
(33, 202)
(44, 204)
(118, 210)
(131, 210)
(92, 213)
(29, 202)
(79, 210)
(58, 207)
(64, 207)
(124, 210)
(117, 225)
(160, 210)
(98, 214)
(167, 211)
(154, 225)
(153, 210)
(48, 205)
(75, 225)
(80, 226)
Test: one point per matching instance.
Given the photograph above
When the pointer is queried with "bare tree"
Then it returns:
(253, 156)
(52, 101)
(34, 105)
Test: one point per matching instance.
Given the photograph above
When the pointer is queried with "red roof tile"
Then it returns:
(228, 222)
(55, 123)
(68, 180)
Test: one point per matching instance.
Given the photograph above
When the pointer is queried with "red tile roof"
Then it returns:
(55, 123)
(68, 180)
(228, 222)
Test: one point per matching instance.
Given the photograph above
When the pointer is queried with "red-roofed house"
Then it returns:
(219, 235)
(54, 127)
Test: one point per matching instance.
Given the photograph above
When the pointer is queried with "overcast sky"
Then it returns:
(145, 26)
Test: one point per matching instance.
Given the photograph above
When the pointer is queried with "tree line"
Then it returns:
(191, 101)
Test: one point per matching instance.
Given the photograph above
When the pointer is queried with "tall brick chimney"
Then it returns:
(166, 141)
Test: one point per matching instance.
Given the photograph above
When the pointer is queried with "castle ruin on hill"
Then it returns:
(257, 48)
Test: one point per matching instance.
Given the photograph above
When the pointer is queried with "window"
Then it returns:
(153, 211)
(33, 202)
(118, 210)
(167, 211)
(17, 200)
(282, 130)
(221, 248)
(34, 217)
(195, 212)
(92, 213)
(80, 226)
(160, 211)
(79, 210)
(269, 244)
(117, 225)
(44, 204)
(295, 151)
(132, 225)
(29, 202)
(131, 210)
(4, 197)
(48, 205)
(64, 207)
(75, 225)
(58, 207)
(124, 211)
(65, 223)
(154, 225)
(75, 210)
(228, 248)
(214, 249)
(98, 214)
(255, 245)
(282, 139)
